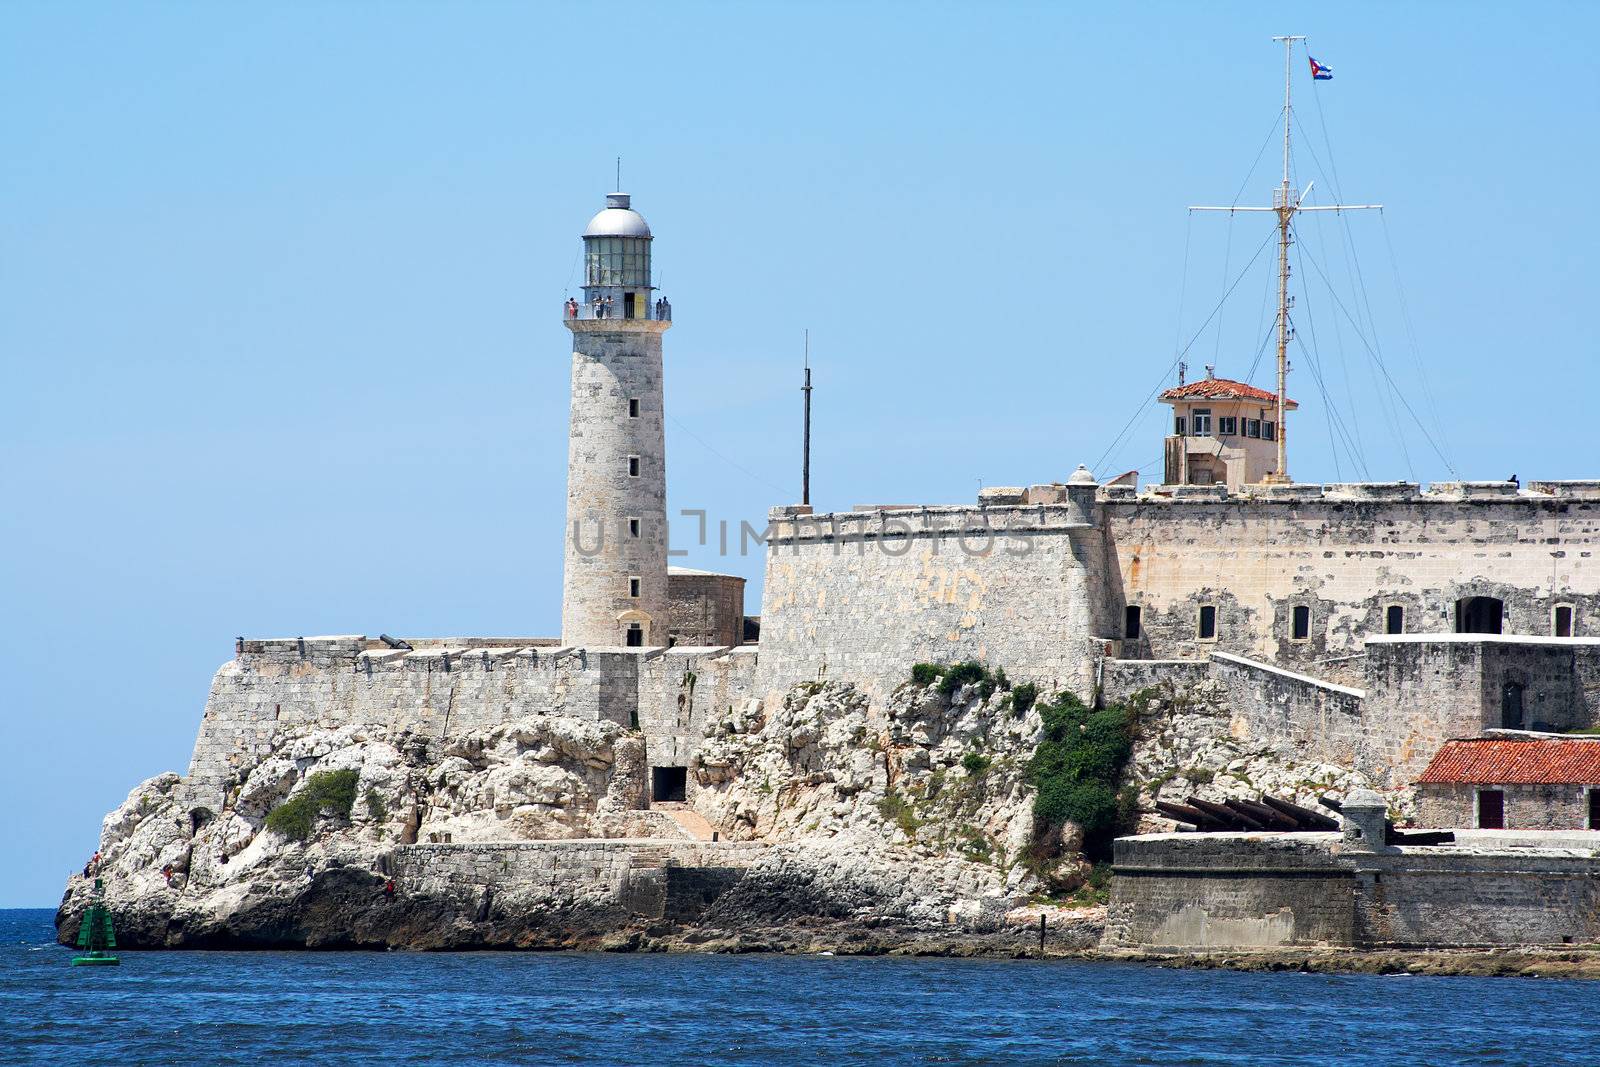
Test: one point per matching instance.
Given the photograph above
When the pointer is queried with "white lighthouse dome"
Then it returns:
(617, 220)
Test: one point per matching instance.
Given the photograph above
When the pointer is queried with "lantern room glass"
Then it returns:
(621, 261)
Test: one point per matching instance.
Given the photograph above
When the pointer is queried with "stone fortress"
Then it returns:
(669, 763)
(1363, 624)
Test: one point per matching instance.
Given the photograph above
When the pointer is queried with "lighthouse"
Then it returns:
(614, 580)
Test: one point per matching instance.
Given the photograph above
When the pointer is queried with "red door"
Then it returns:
(1491, 809)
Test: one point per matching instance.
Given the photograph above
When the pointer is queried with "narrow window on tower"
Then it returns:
(1131, 623)
(1207, 630)
(1178, 426)
(633, 587)
(633, 466)
(1302, 623)
(1394, 620)
(633, 527)
(633, 407)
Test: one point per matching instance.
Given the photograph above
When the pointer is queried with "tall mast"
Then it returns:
(1286, 204)
(805, 453)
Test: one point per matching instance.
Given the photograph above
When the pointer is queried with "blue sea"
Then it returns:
(401, 1009)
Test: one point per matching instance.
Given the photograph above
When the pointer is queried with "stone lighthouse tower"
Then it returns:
(614, 583)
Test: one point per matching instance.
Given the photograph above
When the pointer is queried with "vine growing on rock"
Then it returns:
(325, 793)
(1076, 767)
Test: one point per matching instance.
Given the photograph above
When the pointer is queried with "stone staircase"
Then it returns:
(689, 820)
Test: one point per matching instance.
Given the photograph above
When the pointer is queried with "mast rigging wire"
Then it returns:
(1116, 441)
(1378, 360)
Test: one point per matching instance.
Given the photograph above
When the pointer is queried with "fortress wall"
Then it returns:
(1347, 552)
(334, 681)
(862, 596)
(680, 687)
(1176, 892)
(656, 878)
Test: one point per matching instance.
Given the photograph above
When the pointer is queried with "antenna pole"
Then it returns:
(805, 449)
(619, 173)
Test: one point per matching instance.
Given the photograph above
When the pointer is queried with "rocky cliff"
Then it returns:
(841, 823)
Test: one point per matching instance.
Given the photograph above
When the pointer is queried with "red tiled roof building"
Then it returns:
(1519, 783)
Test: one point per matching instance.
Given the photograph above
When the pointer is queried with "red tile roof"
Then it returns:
(1223, 389)
(1535, 761)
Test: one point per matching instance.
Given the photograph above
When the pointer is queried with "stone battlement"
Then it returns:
(921, 523)
(1534, 492)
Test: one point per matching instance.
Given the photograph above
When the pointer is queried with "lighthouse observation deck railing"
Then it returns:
(657, 311)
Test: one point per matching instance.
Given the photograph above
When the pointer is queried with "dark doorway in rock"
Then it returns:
(1479, 615)
(669, 783)
(1131, 622)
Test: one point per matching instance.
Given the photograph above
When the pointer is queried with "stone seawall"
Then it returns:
(648, 877)
(1261, 892)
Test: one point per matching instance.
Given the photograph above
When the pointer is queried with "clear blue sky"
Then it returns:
(280, 288)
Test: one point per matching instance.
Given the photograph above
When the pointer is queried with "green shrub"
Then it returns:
(376, 808)
(1076, 767)
(961, 674)
(1199, 775)
(1023, 696)
(925, 673)
(976, 763)
(898, 810)
(325, 793)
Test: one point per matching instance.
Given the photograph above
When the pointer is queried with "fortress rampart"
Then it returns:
(446, 687)
(1040, 581)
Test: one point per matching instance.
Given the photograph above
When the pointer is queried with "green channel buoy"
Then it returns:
(95, 933)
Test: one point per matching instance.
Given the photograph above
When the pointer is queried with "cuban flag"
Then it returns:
(1320, 71)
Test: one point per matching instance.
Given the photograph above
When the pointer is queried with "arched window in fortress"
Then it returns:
(1206, 625)
(1394, 619)
(1480, 615)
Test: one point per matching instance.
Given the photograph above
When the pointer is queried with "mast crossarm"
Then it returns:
(1231, 210)
(1341, 207)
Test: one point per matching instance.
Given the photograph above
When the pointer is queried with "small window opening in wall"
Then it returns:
(1491, 809)
(1269, 431)
(634, 637)
(1228, 425)
(1202, 421)
(1561, 623)
(633, 527)
(1301, 630)
(633, 466)
(633, 587)
(1178, 425)
(1394, 620)
(633, 407)
(1594, 808)
(1252, 428)
(1131, 622)
(1208, 622)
